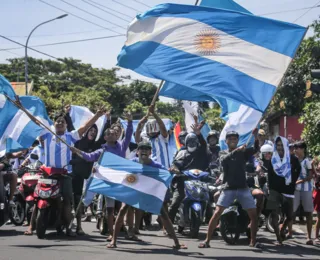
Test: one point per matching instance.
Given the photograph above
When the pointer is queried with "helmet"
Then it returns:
(192, 142)
(213, 133)
(232, 133)
(152, 127)
(182, 137)
(267, 148)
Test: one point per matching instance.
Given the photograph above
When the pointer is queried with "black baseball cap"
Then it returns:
(144, 144)
(232, 133)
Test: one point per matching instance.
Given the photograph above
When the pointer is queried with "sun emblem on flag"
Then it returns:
(207, 42)
(131, 178)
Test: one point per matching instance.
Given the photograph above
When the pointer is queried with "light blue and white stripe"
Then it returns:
(247, 66)
(140, 186)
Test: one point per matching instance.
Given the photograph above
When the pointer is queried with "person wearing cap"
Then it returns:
(304, 187)
(233, 162)
(262, 137)
(144, 152)
(114, 146)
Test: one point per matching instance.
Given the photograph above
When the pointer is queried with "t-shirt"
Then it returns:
(305, 167)
(159, 149)
(39, 150)
(57, 154)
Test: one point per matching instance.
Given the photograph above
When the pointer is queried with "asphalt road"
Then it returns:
(15, 246)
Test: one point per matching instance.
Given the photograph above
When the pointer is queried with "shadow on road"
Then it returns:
(10, 233)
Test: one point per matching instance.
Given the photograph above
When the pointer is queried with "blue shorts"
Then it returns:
(244, 197)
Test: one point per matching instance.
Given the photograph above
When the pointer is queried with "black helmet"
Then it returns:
(214, 133)
(182, 137)
(232, 133)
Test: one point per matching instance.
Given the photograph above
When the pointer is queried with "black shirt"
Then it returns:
(277, 183)
(234, 167)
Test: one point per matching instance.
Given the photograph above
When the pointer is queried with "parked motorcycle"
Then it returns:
(192, 209)
(49, 203)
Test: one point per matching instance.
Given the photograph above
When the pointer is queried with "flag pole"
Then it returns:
(36, 121)
(284, 75)
(153, 102)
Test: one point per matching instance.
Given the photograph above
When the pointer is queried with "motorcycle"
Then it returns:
(192, 209)
(49, 201)
(24, 195)
(4, 206)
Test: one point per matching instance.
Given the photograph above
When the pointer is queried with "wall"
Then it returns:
(294, 128)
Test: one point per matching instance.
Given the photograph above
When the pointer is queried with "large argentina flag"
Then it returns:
(17, 131)
(138, 185)
(211, 52)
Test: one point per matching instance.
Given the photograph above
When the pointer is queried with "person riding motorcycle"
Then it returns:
(192, 157)
(213, 149)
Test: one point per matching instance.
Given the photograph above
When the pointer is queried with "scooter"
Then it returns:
(192, 209)
(49, 201)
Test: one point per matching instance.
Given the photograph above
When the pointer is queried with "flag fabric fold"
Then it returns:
(138, 185)
(17, 131)
(211, 52)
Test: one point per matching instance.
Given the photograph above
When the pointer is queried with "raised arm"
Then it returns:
(90, 122)
(70, 126)
(163, 130)
(106, 126)
(90, 157)
(129, 132)
(140, 126)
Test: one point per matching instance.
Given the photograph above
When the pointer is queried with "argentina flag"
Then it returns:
(211, 52)
(17, 131)
(138, 185)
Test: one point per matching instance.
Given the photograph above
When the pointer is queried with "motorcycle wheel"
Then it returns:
(41, 223)
(195, 223)
(269, 222)
(18, 213)
(180, 229)
(103, 226)
(230, 237)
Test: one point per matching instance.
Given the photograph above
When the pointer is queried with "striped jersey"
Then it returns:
(39, 150)
(305, 166)
(57, 154)
(159, 149)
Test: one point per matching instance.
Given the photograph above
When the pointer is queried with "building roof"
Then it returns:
(20, 88)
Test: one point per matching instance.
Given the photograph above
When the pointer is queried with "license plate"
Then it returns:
(46, 181)
(32, 177)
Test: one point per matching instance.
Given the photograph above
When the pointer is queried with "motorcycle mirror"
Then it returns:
(34, 156)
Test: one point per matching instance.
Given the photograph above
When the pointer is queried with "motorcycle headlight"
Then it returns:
(45, 194)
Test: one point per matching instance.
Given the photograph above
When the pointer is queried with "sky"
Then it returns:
(19, 17)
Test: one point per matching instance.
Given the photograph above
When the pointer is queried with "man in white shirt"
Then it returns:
(304, 187)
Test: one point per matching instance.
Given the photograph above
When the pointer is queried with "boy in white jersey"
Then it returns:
(58, 155)
(304, 187)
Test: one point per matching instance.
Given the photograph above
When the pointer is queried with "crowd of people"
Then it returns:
(293, 179)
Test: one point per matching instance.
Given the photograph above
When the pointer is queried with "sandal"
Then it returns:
(309, 242)
(256, 245)
(28, 233)
(80, 232)
(111, 246)
(180, 246)
(109, 239)
(204, 245)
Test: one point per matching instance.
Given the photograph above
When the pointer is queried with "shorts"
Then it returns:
(66, 189)
(227, 197)
(305, 198)
(277, 200)
(7, 176)
(316, 200)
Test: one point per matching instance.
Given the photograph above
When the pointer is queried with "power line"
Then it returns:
(110, 8)
(55, 7)
(58, 43)
(307, 11)
(74, 6)
(59, 34)
(43, 53)
(106, 11)
(127, 6)
(142, 3)
(13, 53)
(292, 10)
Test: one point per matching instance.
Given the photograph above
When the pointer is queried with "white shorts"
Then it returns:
(305, 199)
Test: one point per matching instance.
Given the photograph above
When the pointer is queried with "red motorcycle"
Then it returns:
(48, 198)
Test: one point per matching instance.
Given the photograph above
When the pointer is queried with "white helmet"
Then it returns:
(267, 148)
(152, 127)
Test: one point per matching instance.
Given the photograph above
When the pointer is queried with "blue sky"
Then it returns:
(18, 17)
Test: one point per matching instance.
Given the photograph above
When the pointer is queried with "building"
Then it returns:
(20, 88)
(287, 126)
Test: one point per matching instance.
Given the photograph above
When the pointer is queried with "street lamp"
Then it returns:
(26, 48)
